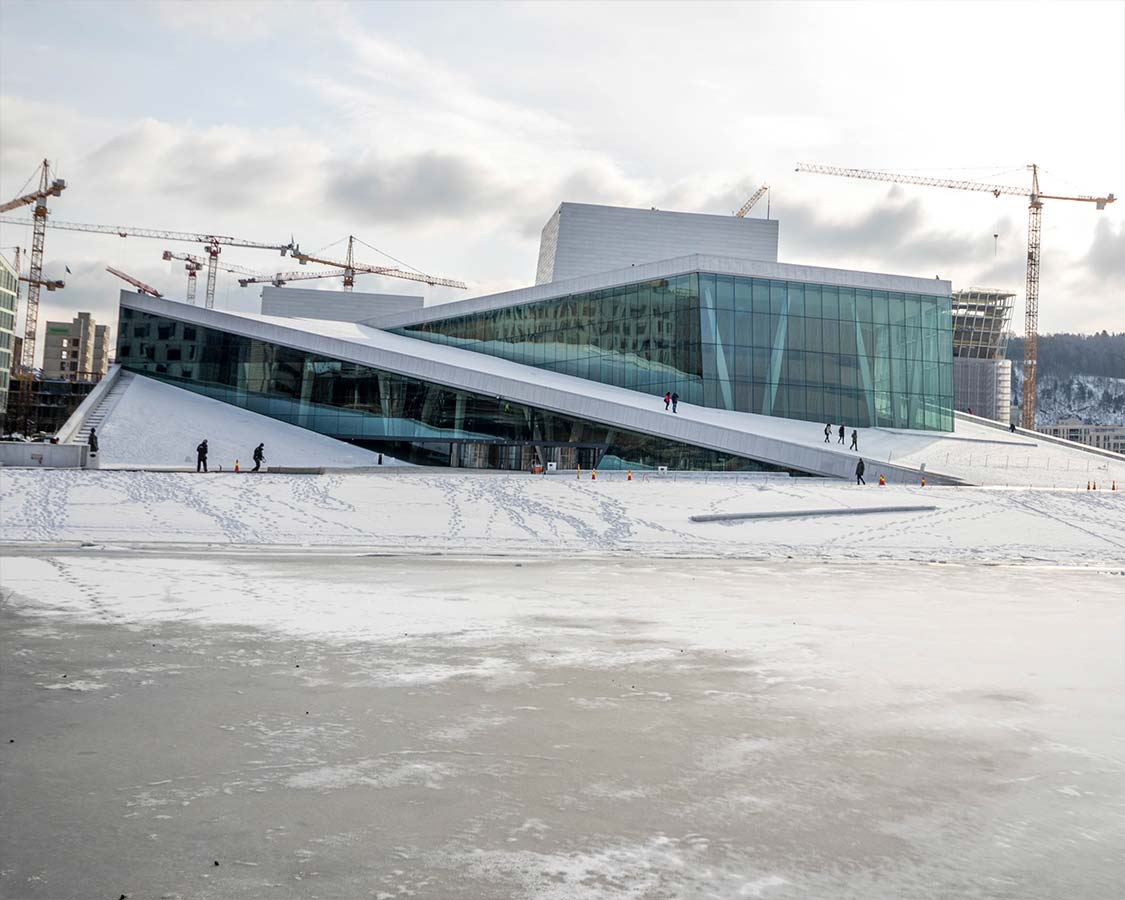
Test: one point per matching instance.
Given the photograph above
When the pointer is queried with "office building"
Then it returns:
(78, 350)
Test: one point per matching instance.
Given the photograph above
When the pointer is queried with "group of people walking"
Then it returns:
(841, 432)
(201, 456)
(673, 399)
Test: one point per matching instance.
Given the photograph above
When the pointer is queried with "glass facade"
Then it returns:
(9, 291)
(821, 353)
(405, 417)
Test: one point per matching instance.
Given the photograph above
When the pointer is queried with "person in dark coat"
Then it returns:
(259, 456)
(855, 440)
(828, 433)
(859, 468)
(201, 457)
(667, 399)
(675, 401)
(1012, 427)
(92, 440)
(841, 433)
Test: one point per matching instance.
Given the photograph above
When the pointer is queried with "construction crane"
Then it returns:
(213, 243)
(135, 282)
(194, 264)
(1034, 227)
(280, 278)
(350, 268)
(749, 204)
(47, 188)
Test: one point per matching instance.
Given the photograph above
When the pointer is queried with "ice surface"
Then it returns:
(159, 424)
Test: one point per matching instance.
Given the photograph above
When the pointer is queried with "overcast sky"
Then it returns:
(446, 134)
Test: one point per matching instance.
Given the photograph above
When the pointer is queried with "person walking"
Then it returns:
(828, 433)
(675, 401)
(201, 457)
(92, 440)
(841, 433)
(667, 399)
(1012, 427)
(855, 440)
(259, 456)
(859, 469)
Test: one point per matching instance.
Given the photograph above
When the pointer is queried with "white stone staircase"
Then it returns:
(104, 407)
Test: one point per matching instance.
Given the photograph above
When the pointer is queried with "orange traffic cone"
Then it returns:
(882, 480)
(236, 465)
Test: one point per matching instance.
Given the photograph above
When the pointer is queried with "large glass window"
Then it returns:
(863, 357)
(414, 419)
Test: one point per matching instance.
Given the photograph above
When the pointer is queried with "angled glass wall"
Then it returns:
(816, 352)
(406, 417)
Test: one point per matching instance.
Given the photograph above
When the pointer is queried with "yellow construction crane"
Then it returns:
(749, 204)
(212, 242)
(194, 264)
(1034, 226)
(47, 188)
(350, 268)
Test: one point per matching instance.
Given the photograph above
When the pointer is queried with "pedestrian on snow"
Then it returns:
(675, 401)
(1012, 427)
(859, 467)
(259, 456)
(855, 440)
(667, 399)
(841, 433)
(201, 457)
(92, 440)
(828, 433)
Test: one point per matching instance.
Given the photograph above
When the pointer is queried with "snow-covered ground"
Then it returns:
(421, 511)
(156, 424)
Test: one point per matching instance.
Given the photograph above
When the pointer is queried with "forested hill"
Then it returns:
(1066, 355)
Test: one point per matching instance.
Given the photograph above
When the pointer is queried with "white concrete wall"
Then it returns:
(47, 456)
(340, 306)
(588, 239)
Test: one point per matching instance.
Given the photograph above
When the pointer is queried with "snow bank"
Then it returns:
(416, 511)
(157, 424)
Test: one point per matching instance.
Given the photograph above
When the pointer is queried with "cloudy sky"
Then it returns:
(446, 134)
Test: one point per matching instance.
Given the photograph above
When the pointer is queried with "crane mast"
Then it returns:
(1034, 231)
(47, 188)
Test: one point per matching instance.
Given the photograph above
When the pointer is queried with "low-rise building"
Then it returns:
(77, 350)
(1104, 437)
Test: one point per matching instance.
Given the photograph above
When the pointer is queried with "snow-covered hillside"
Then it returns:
(1094, 399)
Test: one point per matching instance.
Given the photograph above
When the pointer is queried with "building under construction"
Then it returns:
(982, 376)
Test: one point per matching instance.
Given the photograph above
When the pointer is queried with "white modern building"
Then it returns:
(755, 356)
(585, 239)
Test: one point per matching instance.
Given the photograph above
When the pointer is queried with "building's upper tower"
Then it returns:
(585, 239)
